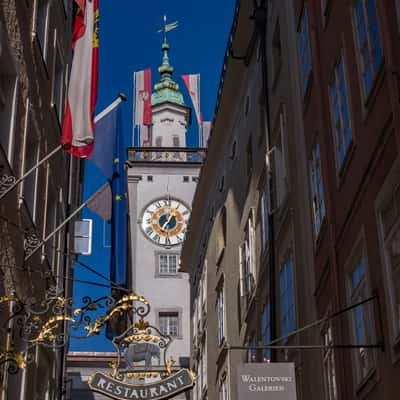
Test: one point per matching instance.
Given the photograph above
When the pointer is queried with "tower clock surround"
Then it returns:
(164, 221)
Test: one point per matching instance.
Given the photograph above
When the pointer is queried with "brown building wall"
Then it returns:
(350, 195)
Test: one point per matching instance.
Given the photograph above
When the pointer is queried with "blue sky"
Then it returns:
(129, 42)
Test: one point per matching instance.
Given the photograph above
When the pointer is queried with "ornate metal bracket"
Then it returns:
(6, 181)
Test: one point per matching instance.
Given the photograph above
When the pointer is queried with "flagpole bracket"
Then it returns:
(6, 181)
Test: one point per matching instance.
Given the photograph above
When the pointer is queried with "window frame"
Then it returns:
(318, 185)
(387, 235)
(266, 331)
(357, 254)
(347, 144)
(285, 311)
(167, 313)
(221, 322)
(366, 92)
(329, 362)
(162, 274)
(305, 75)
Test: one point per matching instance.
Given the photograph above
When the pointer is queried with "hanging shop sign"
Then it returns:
(275, 381)
(162, 389)
(142, 370)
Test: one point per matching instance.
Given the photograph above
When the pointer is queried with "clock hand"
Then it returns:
(171, 214)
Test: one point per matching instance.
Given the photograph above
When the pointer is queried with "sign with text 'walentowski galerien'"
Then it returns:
(275, 381)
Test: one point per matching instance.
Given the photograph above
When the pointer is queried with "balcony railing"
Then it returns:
(194, 155)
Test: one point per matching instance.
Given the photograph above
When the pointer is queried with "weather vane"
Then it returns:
(167, 27)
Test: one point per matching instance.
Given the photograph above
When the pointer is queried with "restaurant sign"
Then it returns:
(142, 370)
(162, 389)
(275, 381)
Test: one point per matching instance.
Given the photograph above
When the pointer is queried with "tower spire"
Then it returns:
(166, 89)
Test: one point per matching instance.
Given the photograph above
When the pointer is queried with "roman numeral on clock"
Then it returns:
(149, 230)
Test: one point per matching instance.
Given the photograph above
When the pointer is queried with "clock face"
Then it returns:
(165, 222)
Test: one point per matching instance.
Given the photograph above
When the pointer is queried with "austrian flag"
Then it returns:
(78, 126)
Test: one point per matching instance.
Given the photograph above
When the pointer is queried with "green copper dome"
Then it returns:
(166, 89)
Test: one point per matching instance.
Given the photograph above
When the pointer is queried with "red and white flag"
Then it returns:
(143, 117)
(78, 127)
(142, 82)
(192, 83)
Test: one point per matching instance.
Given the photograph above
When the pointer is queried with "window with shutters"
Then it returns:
(390, 226)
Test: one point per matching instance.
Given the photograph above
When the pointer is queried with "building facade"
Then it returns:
(306, 132)
(251, 262)
(350, 68)
(35, 59)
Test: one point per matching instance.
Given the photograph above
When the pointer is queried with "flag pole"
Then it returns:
(121, 97)
(59, 227)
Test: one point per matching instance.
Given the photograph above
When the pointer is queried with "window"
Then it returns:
(368, 41)
(252, 352)
(8, 97)
(317, 188)
(303, 37)
(390, 217)
(31, 158)
(168, 323)
(287, 297)
(340, 113)
(58, 83)
(185, 179)
(329, 364)
(361, 321)
(246, 260)
(221, 315)
(223, 390)
(41, 24)
(175, 141)
(266, 332)
(167, 264)
(158, 141)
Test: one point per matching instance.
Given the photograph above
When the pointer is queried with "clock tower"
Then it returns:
(161, 183)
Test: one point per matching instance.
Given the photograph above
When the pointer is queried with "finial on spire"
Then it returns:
(167, 27)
